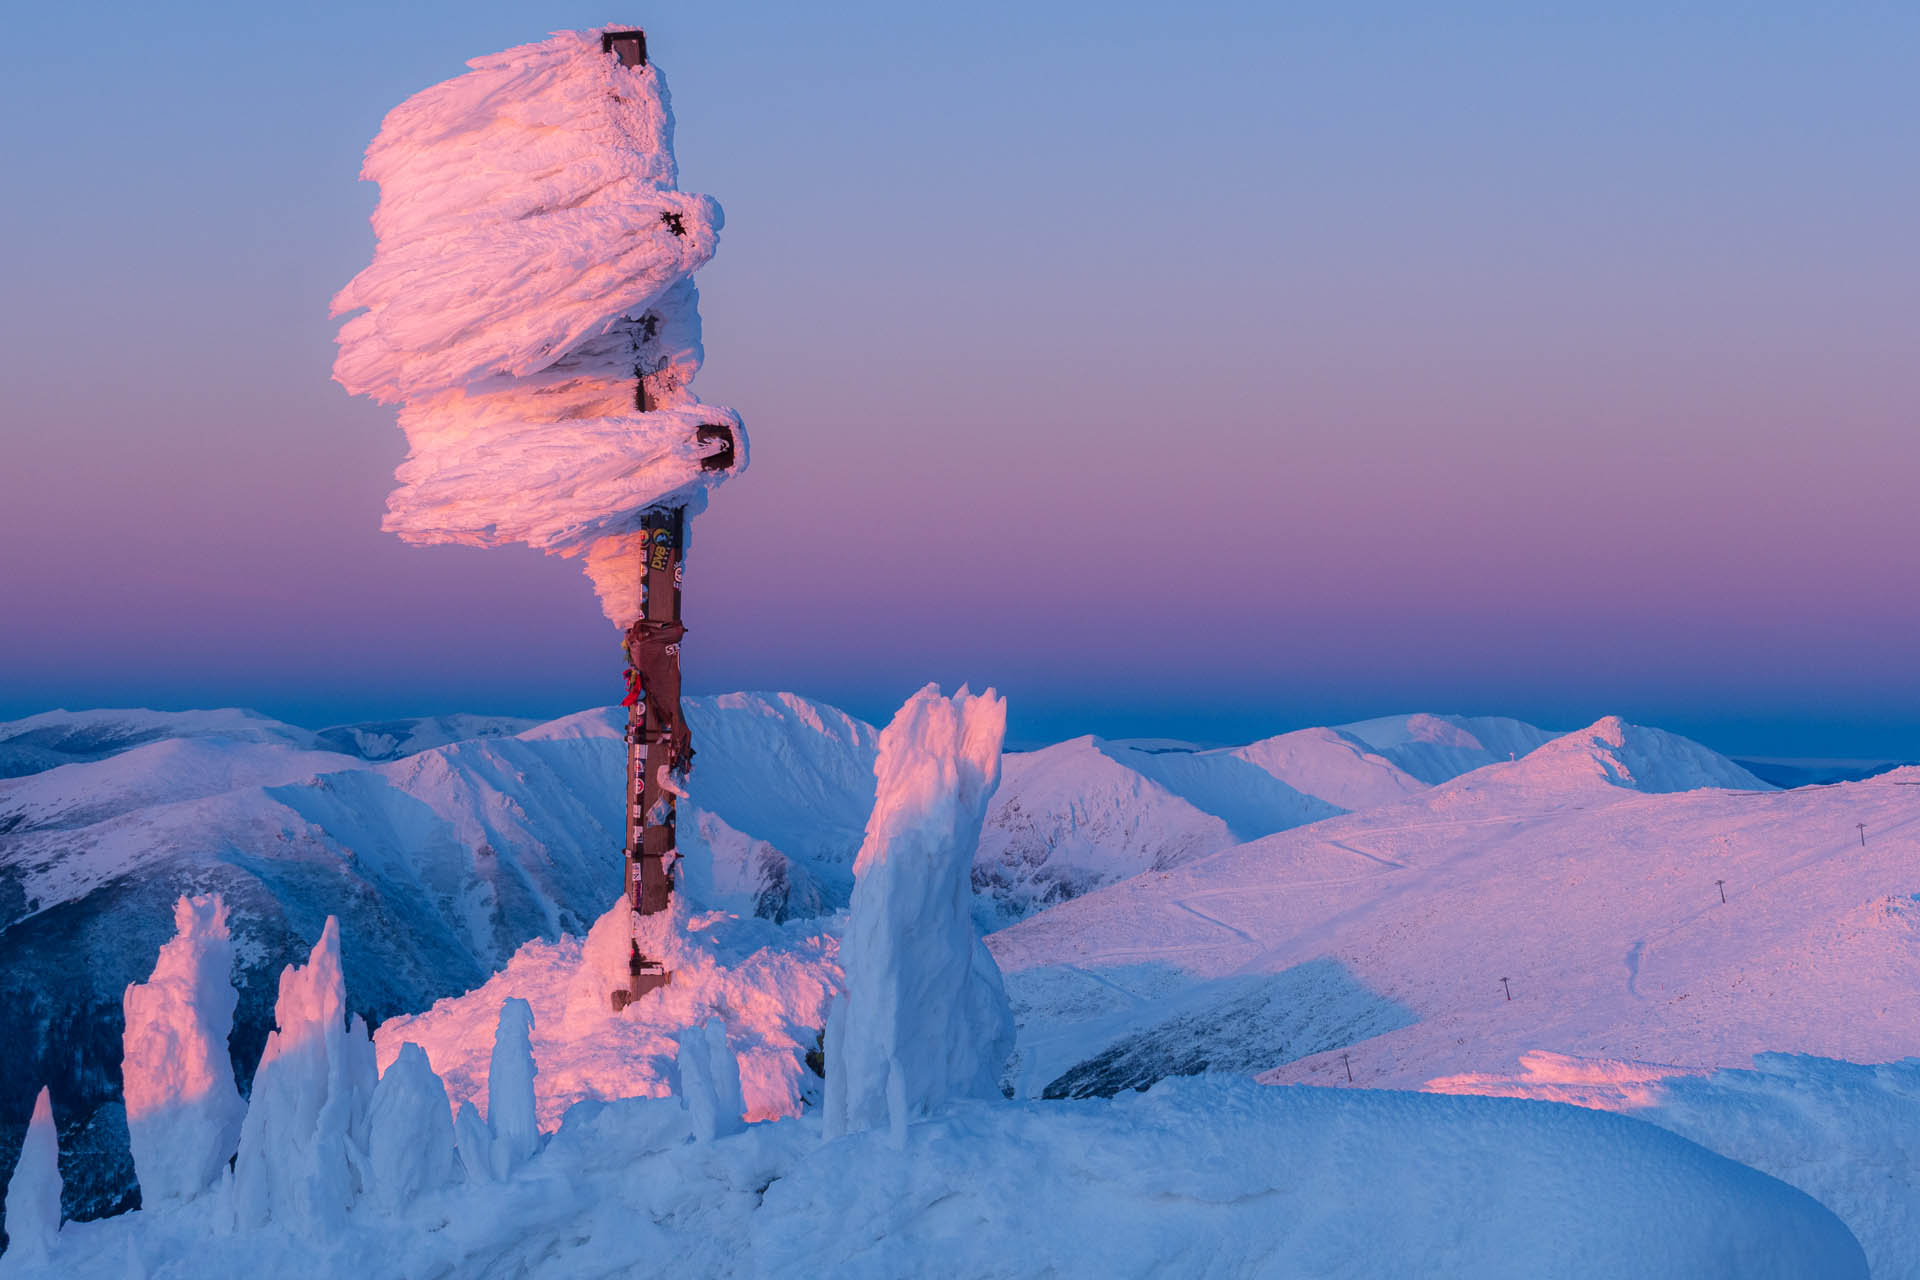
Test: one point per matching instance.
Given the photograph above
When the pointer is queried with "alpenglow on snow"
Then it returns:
(531, 307)
(535, 260)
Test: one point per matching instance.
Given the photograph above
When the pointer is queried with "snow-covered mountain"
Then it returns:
(391, 739)
(1610, 753)
(440, 864)
(1086, 813)
(1436, 748)
(345, 1168)
(1587, 875)
(443, 862)
(1072, 817)
(54, 738)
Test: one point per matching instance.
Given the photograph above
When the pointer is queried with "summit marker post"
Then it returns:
(659, 745)
(534, 314)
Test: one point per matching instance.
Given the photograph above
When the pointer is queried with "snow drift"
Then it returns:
(1212, 1177)
(770, 984)
(535, 260)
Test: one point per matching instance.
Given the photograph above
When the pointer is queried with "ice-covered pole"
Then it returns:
(658, 744)
(531, 305)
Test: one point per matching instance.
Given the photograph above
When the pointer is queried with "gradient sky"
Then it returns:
(1203, 371)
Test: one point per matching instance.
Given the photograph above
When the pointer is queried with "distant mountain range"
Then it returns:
(444, 844)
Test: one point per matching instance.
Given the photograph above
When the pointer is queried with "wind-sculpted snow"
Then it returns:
(924, 1017)
(410, 1144)
(183, 1112)
(33, 1191)
(1847, 1134)
(440, 865)
(307, 1113)
(1209, 1176)
(444, 862)
(708, 1082)
(510, 1097)
(769, 984)
(535, 260)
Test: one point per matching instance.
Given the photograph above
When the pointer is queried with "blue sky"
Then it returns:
(1204, 373)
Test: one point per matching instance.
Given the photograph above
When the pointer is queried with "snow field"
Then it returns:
(1198, 1177)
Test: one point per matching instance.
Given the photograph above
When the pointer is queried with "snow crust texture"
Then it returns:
(1201, 1177)
(534, 265)
(183, 1111)
(771, 984)
(924, 1019)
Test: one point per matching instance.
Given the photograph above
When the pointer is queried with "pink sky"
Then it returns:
(1330, 370)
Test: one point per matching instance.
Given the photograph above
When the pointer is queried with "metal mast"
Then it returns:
(659, 747)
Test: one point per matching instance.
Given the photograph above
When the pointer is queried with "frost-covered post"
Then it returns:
(531, 303)
(925, 1017)
(183, 1111)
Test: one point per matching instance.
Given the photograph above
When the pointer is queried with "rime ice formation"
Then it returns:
(410, 1148)
(924, 1018)
(510, 1107)
(534, 259)
(183, 1111)
(474, 1143)
(710, 1081)
(33, 1193)
(772, 984)
(303, 1143)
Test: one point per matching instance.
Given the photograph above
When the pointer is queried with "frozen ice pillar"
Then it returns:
(410, 1144)
(183, 1112)
(33, 1195)
(510, 1095)
(925, 1016)
(710, 1082)
(303, 1144)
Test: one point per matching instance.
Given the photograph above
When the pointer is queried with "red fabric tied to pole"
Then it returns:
(653, 650)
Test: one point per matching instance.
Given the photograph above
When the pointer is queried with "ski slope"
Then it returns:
(1582, 874)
